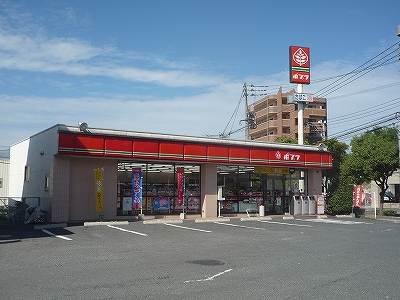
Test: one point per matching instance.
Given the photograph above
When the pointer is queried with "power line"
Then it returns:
(365, 91)
(353, 130)
(358, 72)
(386, 106)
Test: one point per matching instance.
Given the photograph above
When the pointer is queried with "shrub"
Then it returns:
(389, 212)
(341, 201)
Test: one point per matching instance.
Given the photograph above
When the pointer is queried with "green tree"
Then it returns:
(289, 140)
(374, 156)
(332, 175)
(341, 200)
(285, 140)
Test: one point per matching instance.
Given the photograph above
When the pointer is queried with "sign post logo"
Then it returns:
(299, 64)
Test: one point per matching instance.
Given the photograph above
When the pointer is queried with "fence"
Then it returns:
(12, 209)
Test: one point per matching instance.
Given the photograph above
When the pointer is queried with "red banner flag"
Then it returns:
(357, 197)
(180, 172)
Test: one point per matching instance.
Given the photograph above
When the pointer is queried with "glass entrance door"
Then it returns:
(274, 192)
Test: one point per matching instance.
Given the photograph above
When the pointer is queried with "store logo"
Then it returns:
(278, 155)
(300, 57)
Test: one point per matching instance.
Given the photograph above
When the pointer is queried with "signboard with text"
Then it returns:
(299, 64)
(136, 188)
(357, 196)
(98, 185)
(180, 173)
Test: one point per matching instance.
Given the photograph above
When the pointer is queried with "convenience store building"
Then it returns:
(178, 174)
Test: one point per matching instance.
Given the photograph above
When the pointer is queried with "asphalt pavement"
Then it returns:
(234, 258)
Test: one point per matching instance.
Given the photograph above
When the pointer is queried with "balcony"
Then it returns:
(314, 113)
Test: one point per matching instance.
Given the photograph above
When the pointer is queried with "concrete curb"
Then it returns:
(212, 220)
(89, 224)
(255, 219)
(162, 221)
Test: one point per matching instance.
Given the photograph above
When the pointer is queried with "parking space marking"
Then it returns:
(56, 235)
(284, 223)
(210, 278)
(183, 227)
(241, 226)
(126, 230)
(344, 222)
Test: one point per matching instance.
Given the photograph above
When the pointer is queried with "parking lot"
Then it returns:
(300, 258)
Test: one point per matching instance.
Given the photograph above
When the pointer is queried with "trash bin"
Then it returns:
(312, 205)
(261, 210)
(305, 206)
(295, 205)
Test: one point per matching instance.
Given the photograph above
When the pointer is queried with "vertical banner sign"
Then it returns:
(299, 64)
(98, 187)
(358, 192)
(136, 188)
(180, 172)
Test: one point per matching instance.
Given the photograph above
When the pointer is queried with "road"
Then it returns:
(301, 258)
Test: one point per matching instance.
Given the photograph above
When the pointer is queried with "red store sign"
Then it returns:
(299, 64)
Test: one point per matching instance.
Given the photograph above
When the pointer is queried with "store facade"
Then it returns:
(178, 174)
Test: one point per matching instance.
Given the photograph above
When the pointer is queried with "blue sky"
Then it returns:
(178, 67)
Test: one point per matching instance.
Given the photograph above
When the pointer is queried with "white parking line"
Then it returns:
(183, 227)
(283, 223)
(241, 226)
(211, 277)
(130, 231)
(57, 236)
(345, 222)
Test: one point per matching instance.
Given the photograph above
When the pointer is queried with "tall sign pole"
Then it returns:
(299, 66)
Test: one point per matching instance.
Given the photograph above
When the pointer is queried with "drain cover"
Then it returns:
(207, 262)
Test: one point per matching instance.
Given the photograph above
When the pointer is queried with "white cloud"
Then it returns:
(76, 57)
(207, 112)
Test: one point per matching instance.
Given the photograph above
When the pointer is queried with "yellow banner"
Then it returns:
(98, 187)
(271, 170)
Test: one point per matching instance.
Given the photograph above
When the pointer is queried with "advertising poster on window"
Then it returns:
(136, 188)
(161, 203)
(180, 173)
(98, 185)
(126, 203)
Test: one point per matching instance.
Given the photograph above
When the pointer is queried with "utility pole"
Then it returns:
(246, 111)
(398, 113)
(249, 113)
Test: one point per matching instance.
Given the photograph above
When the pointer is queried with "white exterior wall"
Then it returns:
(37, 154)
(314, 182)
(394, 179)
(4, 177)
(18, 159)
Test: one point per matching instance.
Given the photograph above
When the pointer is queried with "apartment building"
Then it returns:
(276, 117)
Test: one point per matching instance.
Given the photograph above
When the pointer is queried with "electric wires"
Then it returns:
(390, 55)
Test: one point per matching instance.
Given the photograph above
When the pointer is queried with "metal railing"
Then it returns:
(12, 209)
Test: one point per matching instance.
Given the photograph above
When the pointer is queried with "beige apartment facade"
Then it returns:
(277, 117)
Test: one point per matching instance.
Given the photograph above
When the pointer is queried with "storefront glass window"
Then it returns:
(245, 188)
(166, 188)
